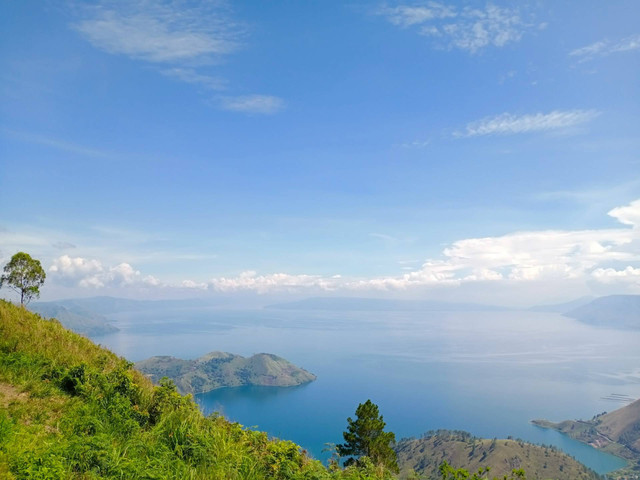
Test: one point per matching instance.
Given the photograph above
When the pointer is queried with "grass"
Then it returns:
(73, 410)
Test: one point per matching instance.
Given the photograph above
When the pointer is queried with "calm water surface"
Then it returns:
(488, 373)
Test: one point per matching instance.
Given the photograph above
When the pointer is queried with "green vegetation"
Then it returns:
(23, 275)
(70, 409)
(617, 432)
(365, 437)
(423, 458)
(220, 369)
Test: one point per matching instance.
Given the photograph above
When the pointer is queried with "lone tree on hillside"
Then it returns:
(365, 436)
(23, 275)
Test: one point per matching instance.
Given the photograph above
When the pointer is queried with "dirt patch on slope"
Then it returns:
(9, 393)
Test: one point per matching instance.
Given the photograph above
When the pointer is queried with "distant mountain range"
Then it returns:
(380, 304)
(562, 307)
(614, 311)
(88, 316)
(220, 369)
(74, 317)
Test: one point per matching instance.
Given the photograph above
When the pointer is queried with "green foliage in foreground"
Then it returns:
(72, 410)
(449, 473)
(365, 436)
(24, 275)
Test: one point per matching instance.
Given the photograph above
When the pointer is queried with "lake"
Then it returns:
(488, 373)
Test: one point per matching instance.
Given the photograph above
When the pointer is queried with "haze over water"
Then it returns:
(488, 373)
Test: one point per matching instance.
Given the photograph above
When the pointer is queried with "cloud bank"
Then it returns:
(601, 260)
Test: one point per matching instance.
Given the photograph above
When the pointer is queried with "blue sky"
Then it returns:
(483, 151)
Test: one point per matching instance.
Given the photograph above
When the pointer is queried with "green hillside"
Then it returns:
(70, 409)
(423, 457)
(617, 432)
(220, 369)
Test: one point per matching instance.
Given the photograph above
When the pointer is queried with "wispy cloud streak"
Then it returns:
(160, 32)
(470, 29)
(605, 47)
(510, 124)
(180, 38)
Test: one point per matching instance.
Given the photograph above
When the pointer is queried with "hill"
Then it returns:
(220, 369)
(380, 304)
(617, 432)
(75, 318)
(423, 456)
(70, 409)
(615, 311)
(562, 307)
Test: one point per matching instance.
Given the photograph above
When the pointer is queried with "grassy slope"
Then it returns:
(617, 432)
(71, 409)
(462, 450)
(219, 369)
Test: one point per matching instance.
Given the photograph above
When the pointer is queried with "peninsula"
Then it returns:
(617, 432)
(422, 457)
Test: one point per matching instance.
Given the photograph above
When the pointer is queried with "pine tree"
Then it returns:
(365, 436)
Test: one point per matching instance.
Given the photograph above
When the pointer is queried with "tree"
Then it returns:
(24, 275)
(365, 436)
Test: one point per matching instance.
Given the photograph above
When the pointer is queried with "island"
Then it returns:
(221, 369)
(617, 432)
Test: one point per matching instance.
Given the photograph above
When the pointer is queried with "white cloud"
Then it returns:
(543, 262)
(611, 275)
(57, 144)
(180, 37)
(408, 15)
(250, 280)
(509, 124)
(604, 48)
(190, 75)
(90, 273)
(194, 285)
(160, 32)
(545, 257)
(469, 29)
(628, 215)
(261, 104)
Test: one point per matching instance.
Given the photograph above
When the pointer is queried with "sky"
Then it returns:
(463, 151)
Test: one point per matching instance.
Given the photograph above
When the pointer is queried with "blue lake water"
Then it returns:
(489, 373)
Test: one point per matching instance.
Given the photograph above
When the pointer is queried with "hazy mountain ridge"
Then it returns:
(221, 369)
(380, 304)
(615, 311)
(462, 450)
(75, 318)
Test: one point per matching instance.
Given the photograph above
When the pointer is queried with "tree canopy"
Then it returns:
(23, 275)
(365, 436)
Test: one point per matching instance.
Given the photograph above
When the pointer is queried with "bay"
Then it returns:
(488, 373)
